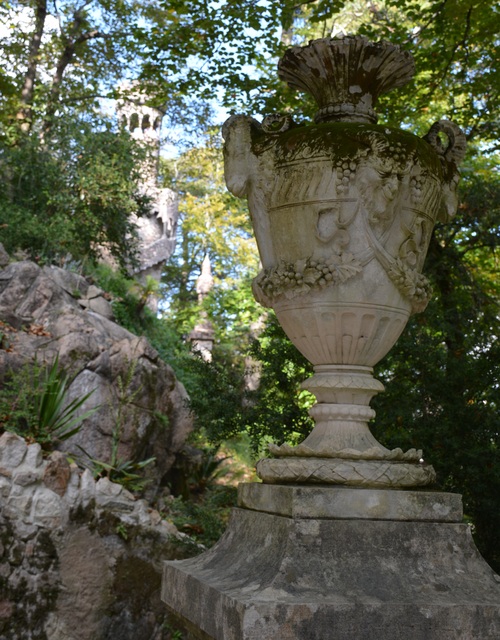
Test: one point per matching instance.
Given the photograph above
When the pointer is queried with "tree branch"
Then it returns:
(64, 61)
(460, 43)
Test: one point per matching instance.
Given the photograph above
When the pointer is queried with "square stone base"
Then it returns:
(310, 577)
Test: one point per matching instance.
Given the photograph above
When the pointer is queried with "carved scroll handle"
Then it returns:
(277, 123)
(455, 151)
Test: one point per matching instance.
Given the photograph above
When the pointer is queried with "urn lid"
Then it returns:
(346, 75)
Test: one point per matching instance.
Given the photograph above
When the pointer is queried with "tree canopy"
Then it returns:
(442, 378)
(69, 180)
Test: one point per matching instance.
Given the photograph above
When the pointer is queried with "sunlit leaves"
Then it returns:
(212, 223)
(72, 199)
(455, 45)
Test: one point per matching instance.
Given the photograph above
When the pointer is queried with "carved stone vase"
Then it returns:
(343, 210)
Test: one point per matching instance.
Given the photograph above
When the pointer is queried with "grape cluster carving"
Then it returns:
(416, 186)
(411, 283)
(345, 174)
(293, 279)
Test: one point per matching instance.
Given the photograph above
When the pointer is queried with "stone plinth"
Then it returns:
(317, 563)
(347, 504)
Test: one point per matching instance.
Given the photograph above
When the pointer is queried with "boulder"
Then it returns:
(49, 312)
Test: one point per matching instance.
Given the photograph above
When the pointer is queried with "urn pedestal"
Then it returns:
(341, 541)
(338, 563)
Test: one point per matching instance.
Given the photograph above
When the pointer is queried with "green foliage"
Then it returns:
(203, 521)
(441, 378)
(130, 312)
(455, 49)
(65, 188)
(275, 411)
(206, 472)
(215, 390)
(73, 198)
(61, 58)
(33, 403)
(208, 50)
(126, 304)
(175, 634)
(121, 530)
(213, 223)
(124, 472)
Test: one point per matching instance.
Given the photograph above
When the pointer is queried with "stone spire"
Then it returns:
(203, 335)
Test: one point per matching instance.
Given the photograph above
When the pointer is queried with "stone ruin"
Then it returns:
(158, 231)
(202, 337)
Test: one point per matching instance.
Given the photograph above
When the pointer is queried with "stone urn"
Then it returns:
(343, 211)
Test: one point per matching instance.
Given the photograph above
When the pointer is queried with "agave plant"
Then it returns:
(33, 403)
(56, 418)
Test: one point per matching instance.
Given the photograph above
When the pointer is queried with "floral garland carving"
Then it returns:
(291, 280)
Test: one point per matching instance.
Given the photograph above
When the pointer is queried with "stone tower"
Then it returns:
(158, 231)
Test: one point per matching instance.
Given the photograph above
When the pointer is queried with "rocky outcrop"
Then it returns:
(79, 559)
(52, 312)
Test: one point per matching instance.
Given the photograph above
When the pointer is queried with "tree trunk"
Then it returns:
(65, 59)
(25, 112)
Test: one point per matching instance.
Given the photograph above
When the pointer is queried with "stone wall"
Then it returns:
(79, 559)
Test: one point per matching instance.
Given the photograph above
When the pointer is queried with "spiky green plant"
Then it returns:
(56, 418)
(33, 403)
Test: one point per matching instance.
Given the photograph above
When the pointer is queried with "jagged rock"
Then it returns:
(4, 256)
(80, 560)
(57, 473)
(51, 311)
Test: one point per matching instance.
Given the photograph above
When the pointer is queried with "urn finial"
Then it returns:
(346, 75)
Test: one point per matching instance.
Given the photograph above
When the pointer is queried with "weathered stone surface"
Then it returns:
(12, 450)
(28, 581)
(87, 488)
(98, 353)
(34, 457)
(4, 487)
(4, 256)
(86, 574)
(98, 305)
(84, 565)
(368, 69)
(354, 473)
(293, 578)
(348, 503)
(19, 501)
(57, 473)
(25, 475)
(48, 509)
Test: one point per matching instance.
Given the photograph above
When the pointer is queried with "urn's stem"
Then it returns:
(340, 449)
(342, 412)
